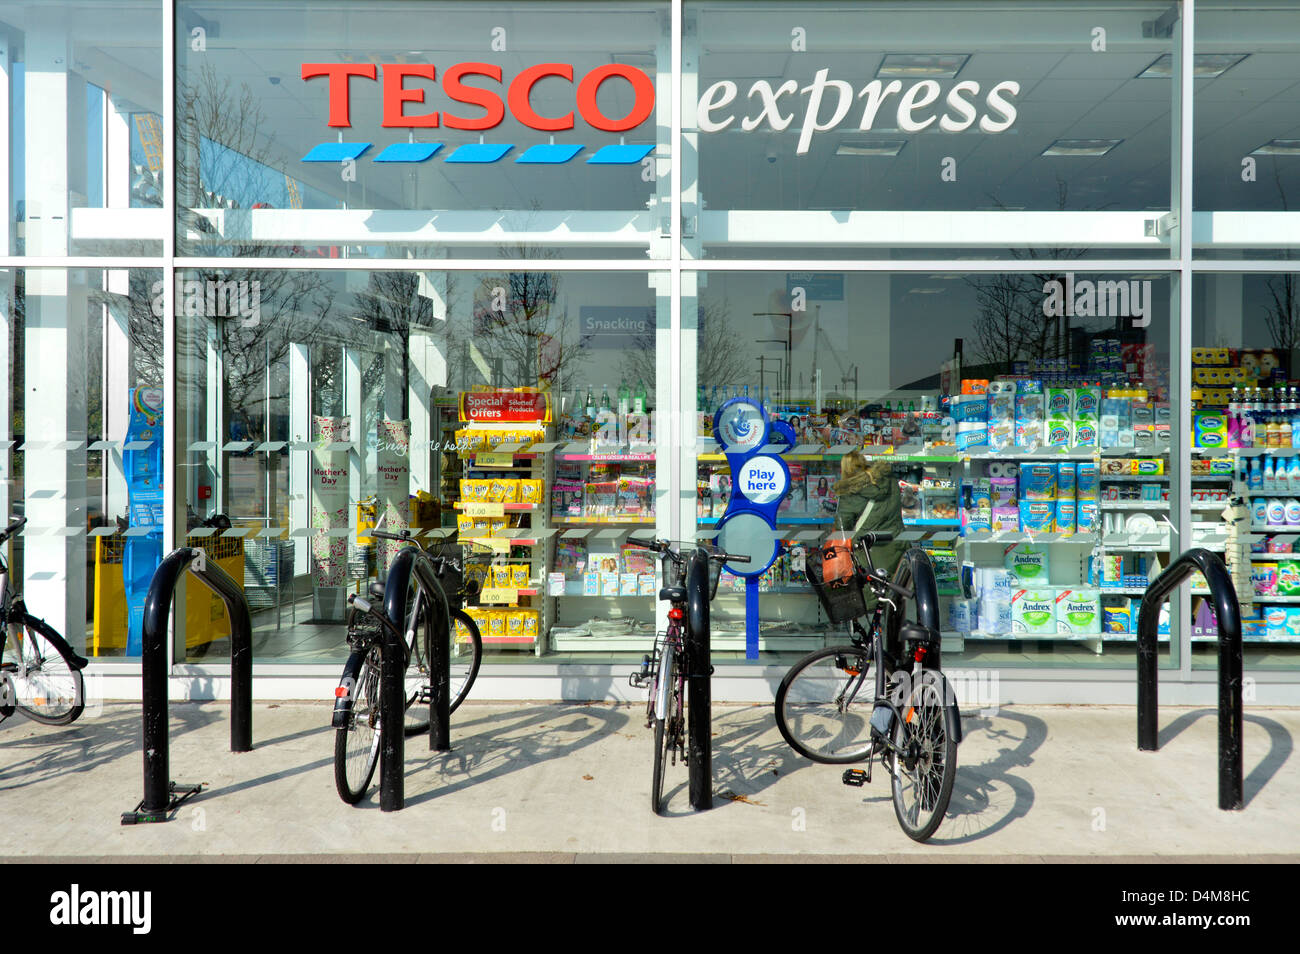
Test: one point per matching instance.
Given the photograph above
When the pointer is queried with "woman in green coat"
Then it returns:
(870, 487)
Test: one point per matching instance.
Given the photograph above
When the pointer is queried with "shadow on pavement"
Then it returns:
(94, 740)
(491, 745)
(989, 796)
(1280, 747)
(744, 764)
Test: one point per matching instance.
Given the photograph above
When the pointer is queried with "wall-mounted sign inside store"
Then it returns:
(610, 326)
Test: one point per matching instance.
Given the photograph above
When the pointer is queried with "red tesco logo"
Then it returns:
(397, 94)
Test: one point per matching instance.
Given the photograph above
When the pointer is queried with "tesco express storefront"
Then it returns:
(487, 272)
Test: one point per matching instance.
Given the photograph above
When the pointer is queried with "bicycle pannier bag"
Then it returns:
(837, 562)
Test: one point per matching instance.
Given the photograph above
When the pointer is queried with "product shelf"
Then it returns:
(1018, 536)
(507, 507)
(1045, 454)
(1134, 504)
(599, 458)
(610, 520)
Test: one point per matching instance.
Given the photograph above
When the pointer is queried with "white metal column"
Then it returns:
(427, 354)
(1180, 384)
(299, 454)
(117, 382)
(54, 359)
(354, 362)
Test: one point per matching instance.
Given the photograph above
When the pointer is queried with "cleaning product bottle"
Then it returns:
(1270, 478)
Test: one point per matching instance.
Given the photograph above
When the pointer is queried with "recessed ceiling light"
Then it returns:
(1278, 147)
(929, 65)
(1081, 147)
(1204, 65)
(926, 291)
(870, 147)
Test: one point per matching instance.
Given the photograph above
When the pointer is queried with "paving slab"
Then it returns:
(569, 783)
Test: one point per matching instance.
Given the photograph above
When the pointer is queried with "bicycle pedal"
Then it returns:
(855, 777)
(425, 696)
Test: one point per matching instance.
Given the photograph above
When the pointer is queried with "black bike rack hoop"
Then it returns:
(1228, 610)
(160, 793)
(392, 692)
(699, 667)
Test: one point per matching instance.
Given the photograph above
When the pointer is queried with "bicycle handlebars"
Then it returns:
(665, 547)
(13, 528)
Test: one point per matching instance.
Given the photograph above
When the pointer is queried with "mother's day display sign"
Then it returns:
(392, 487)
(329, 501)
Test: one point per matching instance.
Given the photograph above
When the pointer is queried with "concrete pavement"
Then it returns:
(570, 782)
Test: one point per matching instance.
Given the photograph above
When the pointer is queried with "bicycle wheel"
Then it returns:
(44, 673)
(420, 632)
(356, 745)
(925, 760)
(466, 655)
(670, 731)
(824, 704)
(660, 720)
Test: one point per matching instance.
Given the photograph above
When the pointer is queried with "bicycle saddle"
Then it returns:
(376, 590)
(915, 632)
(674, 594)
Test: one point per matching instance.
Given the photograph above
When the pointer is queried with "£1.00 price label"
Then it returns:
(498, 594)
(489, 544)
(484, 509)
(490, 459)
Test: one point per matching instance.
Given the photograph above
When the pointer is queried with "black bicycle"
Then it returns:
(356, 704)
(40, 675)
(666, 670)
(852, 703)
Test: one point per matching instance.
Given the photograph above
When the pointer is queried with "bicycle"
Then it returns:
(40, 674)
(666, 670)
(826, 713)
(356, 704)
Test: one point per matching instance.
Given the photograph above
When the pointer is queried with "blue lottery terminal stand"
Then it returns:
(760, 479)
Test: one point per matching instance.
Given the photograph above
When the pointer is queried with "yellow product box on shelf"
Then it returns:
(474, 491)
(465, 525)
(519, 573)
(477, 614)
(460, 633)
(515, 624)
(532, 623)
(497, 623)
(531, 491)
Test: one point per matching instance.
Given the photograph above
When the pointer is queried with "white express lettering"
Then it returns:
(763, 89)
(915, 110)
